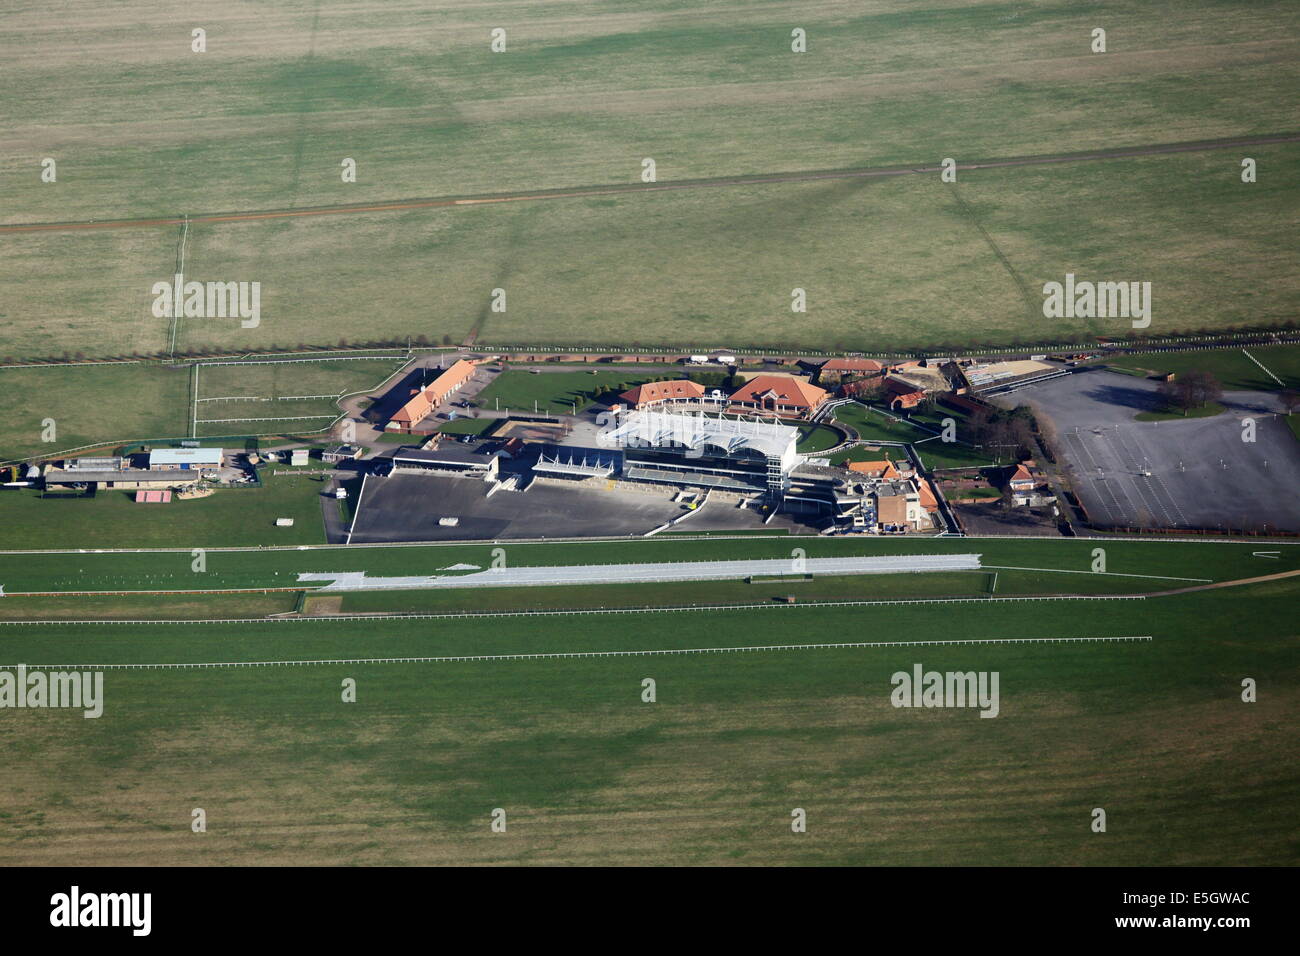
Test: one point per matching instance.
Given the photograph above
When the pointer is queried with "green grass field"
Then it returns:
(420, 100)
(135, 402)
(279, 568)
(142, 607)
(1154, 732)
(232, 397)
(231, 517)
(101, 404)
(873, 425)
(815, 438)
(554, 393)
(254, 604)
(141, 127)
(263, 120)
(967, 494)
(691, 260)
(1208, 410)
(281, 379)
(1233, 369)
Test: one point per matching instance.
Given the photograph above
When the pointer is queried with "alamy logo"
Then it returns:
(953, 689)
(37, 689)
(208, 300)
(103, 909)
(1098, 300)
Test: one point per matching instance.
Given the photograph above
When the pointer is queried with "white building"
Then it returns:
(185, 459)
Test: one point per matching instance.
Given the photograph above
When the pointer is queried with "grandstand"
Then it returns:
(711, 451)
(581, 463)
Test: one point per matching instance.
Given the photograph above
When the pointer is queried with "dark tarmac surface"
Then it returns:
(407, 507)
(1192, 473)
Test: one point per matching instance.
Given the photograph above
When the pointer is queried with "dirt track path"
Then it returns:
(579, 193)
(1226, 584)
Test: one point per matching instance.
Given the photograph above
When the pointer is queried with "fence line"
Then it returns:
(561, 655)
(291, 418)
(608, 539)
(547, 612)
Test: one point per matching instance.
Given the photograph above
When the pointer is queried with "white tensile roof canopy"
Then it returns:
(695, 430)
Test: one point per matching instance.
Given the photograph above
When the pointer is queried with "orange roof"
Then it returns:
(880, 469)
(662, 391)
(414, 410)
(457, 374)
(1022, 474)
(852, 365)
(794, 392)
(428, 398)
(928, 501)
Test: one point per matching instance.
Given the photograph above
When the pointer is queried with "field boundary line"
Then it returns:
(291, 418)
(964, 208)
(555, 612)
(1252, 540)
(1108, 574)
(559, 655)
(580, 192)
(194, 405)
(1281, 575)
(406, 357)
(1261, 365)
(180, 271)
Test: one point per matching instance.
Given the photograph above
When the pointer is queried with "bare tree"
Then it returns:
(864, 389)
(1194, 389)
(1204, 387)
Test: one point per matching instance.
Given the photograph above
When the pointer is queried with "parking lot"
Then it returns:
(1193, 473)
(407, 507)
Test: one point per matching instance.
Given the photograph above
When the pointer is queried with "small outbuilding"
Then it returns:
(185, 459)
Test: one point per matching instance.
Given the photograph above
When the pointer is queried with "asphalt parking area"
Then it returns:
(407, 507)
(1195, 473)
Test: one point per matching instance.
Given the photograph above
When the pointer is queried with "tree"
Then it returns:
(1204, 387)
(1170, 394)
(978, 423)
(864, 389)
(1194, 389)
(1048, 437)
